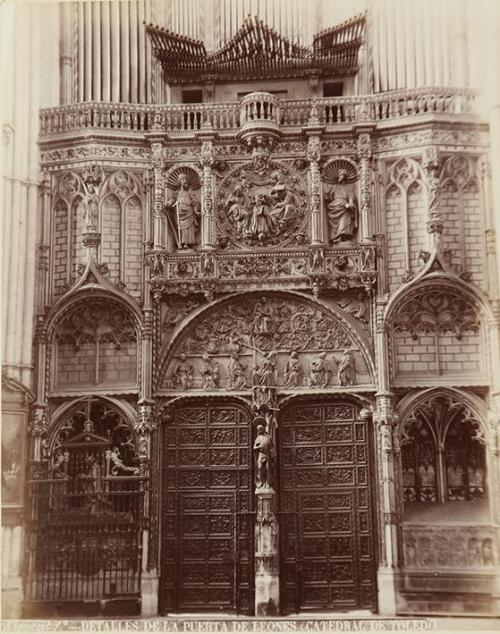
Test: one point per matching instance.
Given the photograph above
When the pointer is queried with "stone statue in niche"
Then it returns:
(183, 373)
(264, 453)
(265, 374)
(342, 210)
(236, 372)
(91, 208)
(293, 372)
(346, 371)
(319, 372)
(187, 213)
(209, 373)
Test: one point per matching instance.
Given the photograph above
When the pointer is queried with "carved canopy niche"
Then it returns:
(95, 344)
(271, 339)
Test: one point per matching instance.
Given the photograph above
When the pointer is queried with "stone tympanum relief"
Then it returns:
(262, 341)
(183, 206)
(258, 207)
(341, 202)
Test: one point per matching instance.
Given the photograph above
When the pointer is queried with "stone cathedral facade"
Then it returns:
(266, 328)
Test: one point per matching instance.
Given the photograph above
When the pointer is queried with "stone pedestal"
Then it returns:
(149, 594)
(386, 591)
(267, 590)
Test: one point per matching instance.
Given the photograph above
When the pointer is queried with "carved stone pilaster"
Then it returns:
(157, 162)
(313, 156)
(207, 207)
(365, 177)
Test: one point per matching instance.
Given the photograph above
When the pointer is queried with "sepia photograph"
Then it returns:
(250, 315)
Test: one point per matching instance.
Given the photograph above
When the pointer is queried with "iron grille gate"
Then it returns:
(84, 530)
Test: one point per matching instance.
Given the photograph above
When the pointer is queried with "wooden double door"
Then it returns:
(327, 545)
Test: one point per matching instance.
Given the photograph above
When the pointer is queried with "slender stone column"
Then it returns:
(43, 288)
(207, 206)
(145, 427)
(389, 512)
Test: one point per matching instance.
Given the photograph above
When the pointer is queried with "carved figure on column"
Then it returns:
(209, 373)
(183, 374)
(346, 370)
(91, 208)
(264, 454)
(319, 373)
(342, 209)
(293, 372)
(187, 212)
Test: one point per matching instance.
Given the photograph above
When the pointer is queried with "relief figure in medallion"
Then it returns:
(261, 224)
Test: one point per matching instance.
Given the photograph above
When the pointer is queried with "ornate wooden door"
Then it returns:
(327, 537)
(208, 524)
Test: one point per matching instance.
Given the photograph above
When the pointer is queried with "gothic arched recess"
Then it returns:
(255, 339)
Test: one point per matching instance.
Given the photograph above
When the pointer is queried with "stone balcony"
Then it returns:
(247, 116)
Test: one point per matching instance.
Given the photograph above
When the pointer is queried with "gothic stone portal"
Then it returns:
(208, 524)
(327, 537)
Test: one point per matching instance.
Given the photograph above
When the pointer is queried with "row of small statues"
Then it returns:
(264, 374)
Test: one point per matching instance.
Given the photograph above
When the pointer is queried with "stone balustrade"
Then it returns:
(260, 108)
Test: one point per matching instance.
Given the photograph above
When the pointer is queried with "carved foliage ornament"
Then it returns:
(256, 208)
(437, 310)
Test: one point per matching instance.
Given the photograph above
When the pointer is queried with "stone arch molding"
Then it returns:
(272, 339)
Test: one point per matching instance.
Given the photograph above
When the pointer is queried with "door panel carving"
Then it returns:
(208, 524)
(327, 541)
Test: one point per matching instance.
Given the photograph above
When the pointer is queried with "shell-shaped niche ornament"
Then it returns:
(189, 175)
(183, 206)
(338, 170)
(262, 209)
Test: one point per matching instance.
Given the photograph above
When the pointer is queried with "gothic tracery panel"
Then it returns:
(96, 344)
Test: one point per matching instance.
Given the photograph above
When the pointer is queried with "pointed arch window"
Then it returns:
(443, 456)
